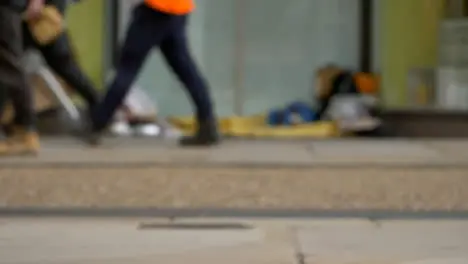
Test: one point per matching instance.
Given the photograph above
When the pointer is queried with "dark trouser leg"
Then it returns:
(175, 50)
(3, 101)
(144, 33)
(12, 76)
(60, 58)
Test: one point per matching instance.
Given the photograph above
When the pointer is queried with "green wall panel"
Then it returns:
(86, 22)
(409, 37)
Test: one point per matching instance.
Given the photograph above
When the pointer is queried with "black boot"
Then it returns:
(90, 134)
(207, 135)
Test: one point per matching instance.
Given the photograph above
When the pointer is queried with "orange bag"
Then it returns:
(175, 7)
(367, 83)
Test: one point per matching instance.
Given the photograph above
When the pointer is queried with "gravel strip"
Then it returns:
(338, 189)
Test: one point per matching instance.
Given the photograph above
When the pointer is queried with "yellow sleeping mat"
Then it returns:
(255, 126)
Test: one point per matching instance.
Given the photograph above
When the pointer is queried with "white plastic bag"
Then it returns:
(139, 103)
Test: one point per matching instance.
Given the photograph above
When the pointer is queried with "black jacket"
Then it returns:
(21, 5)
(17, 5)
(61, 5)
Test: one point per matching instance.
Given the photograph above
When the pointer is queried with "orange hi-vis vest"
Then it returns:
(175, 7)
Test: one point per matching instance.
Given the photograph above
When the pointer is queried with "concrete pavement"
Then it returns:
(85, 241)
(325, 175)
(251, 153)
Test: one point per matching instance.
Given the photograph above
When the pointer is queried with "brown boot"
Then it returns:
(23, 142)
(4, 148)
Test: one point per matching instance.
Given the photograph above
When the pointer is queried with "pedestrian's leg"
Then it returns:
(4, 147)
(20, 92)
(60, 57)
(3, 101)
(146, 31)
(176, 51)
(18, 124)
(12, 77)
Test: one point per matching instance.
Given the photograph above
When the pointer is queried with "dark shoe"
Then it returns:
(9, 129)
(91, 135)
(207, 135)
(94, 138)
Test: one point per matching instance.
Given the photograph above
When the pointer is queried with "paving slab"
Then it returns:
(346, 241)
(439, 261)
(267, 153)
(456, 149)
(82, 241)
(246, 153)
(372, 148)
(385, 242)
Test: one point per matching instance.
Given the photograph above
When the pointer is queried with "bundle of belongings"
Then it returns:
(348, 98)
(342, 96)
(296, 113)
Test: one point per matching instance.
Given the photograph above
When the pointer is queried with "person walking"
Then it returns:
(60, 57)
(162, 24)
(13, 83)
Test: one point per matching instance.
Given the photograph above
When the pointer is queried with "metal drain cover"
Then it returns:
(194, 226)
